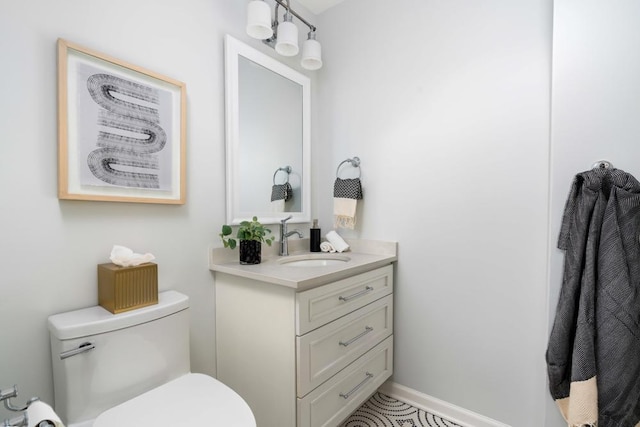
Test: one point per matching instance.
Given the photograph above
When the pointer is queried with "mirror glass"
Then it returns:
(267, 137)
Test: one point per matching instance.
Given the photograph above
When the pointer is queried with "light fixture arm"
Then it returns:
(283, 36)
(287, 6)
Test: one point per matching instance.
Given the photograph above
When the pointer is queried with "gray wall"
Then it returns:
(447, 105)
(49, 248)
(596, 105)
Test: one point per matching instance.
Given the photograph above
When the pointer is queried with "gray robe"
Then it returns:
(593, 354)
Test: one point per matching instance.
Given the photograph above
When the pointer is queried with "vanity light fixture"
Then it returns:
(259, 20)
(287, 37)
(311, 53)
(283, 36)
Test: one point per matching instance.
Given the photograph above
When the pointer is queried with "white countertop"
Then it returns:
(364, 255)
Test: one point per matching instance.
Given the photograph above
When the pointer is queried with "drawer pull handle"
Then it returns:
(367, 329)
(356, 295)
(358, 387)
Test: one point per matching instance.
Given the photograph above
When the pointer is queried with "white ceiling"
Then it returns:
(319, 6)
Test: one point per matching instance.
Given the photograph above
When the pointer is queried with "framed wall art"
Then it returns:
(121, 130)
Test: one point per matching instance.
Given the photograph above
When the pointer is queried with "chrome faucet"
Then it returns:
(284, 243)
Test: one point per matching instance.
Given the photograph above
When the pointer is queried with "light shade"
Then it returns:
(311, 53)
(287, 44)
(259, 20)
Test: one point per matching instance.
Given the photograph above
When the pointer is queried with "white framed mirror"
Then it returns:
(268, 137)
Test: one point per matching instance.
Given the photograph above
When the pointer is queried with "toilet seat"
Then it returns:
(190, 400)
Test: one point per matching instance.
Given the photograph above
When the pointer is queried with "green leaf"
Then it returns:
(247, 230)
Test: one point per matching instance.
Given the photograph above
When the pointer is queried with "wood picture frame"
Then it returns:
(121, 130)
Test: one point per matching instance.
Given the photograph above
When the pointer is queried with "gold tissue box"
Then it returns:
(127, 288)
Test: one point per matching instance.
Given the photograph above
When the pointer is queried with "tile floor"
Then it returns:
(384, 411)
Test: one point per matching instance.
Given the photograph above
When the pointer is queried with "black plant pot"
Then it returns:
(250, 252)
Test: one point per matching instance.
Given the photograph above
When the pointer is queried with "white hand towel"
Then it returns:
(280, 193)
(38, 412)
(346, 193)
(277, 205)
(336, 241)
(327, 247)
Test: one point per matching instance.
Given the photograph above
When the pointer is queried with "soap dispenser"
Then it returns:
(314, 241)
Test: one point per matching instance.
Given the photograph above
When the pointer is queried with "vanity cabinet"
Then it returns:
(305, 358)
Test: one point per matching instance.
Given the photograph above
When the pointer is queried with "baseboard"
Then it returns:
(438, 407)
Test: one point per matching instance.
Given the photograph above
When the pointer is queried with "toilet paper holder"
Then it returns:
(22, 420)
(19, 421)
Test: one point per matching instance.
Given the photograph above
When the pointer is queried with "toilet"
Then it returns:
(133, 369)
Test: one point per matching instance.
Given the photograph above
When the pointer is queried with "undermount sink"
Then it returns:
(313, 260)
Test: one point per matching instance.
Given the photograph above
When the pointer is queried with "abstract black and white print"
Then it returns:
(383, 411)
(122, 131)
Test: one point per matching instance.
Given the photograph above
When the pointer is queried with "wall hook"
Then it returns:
(602, 164)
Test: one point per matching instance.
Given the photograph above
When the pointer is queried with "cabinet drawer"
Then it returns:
(321, 305)
(325, 351)
(329, 404)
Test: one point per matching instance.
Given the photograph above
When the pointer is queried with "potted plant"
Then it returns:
(251, 234)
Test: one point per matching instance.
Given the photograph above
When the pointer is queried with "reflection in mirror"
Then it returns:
(268, 146)
(271, 136)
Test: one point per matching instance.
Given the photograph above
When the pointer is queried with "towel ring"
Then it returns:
(286, 169)
(355, 162)
(602, 164)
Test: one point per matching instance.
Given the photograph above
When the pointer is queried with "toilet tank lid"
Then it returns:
(97, 320)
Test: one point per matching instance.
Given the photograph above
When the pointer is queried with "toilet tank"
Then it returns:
(132, 353)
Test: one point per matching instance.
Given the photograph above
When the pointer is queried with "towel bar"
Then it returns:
(286, 169)
(355, 162)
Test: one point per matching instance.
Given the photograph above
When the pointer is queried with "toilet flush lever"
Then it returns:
(82, 348)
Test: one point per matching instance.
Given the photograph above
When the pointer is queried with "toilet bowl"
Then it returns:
(191, 400)
(132, 369)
